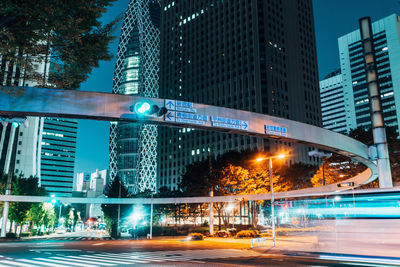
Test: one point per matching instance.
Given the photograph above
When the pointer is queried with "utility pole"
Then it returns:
(210, 205)
(272, 201)
(6, 207)
(151, 217)
(119, 207)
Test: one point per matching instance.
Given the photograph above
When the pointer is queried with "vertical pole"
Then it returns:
(151, 217)
(210, 205)
(377, 121)
(59, 215)
(119, 208)
(323, 172)
(211, 214)
(272, 202)
(6, 206)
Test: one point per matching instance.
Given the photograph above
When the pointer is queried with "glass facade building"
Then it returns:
(355, 111)
(257, 55)
(127, 133)
(57, 155)
(332, 104)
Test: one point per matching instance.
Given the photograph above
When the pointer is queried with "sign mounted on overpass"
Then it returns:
(229, 123)
(186, 112)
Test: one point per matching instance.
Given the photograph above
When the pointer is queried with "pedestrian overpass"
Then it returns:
(19, 102)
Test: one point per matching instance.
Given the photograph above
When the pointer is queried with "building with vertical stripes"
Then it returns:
(257, 55)
(355, 110)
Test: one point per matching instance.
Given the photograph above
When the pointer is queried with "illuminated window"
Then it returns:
(132, 62)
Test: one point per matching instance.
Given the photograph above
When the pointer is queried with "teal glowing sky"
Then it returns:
(332, 19)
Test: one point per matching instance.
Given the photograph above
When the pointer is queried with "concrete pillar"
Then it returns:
(377, 122)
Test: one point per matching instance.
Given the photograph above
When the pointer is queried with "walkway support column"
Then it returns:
(377, 121)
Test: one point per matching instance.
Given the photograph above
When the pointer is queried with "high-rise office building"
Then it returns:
(57, 155)
(332, 104)
(133, 147)
(43, 147)
(355, 110)
(257, 55)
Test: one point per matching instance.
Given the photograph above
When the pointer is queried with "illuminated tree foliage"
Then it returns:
(24, 187)
(67, 33)
(236, 173)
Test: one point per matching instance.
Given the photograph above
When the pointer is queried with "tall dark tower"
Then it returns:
(255, 55)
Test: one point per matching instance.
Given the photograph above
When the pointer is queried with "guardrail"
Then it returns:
(259, 241)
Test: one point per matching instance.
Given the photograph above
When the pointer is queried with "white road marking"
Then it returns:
(64, 263)
(98, 244)
(78, 259)
(13, 263)
(54, 249)
(38, 263)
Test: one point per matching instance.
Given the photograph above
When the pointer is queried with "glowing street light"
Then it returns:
(260, 159)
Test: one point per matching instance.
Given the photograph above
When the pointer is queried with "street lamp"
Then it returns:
(281, 156)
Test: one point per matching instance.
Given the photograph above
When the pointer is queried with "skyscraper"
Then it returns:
(332, 104)
(133, 147)
(355, 110)
(44, 147)
(254, 55)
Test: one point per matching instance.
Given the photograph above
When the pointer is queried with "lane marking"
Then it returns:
(63, 262)
(98, 244)
(86, 263)
(54, 249)
(117, 260)
(13, 263)
(39, 263)
(79, 259)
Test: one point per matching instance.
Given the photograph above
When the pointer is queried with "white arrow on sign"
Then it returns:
(245, 124)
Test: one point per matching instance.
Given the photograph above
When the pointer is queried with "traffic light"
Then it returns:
(53, 200)
(146, 108)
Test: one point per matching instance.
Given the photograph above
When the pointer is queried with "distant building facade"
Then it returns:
(91, 185)
(332, 104)
(353, 78)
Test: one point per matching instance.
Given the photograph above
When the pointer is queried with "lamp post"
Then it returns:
(281, 156)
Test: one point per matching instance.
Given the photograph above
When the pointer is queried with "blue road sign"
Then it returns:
(245, 125)
(170, 116)
(170, 104)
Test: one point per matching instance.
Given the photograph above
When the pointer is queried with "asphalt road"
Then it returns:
(156, 252)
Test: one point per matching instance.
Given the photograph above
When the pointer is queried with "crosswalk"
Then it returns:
(130, 258)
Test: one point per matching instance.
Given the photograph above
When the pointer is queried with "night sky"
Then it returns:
(332, 18)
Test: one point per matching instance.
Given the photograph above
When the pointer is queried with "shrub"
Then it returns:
(11, 235)
(196, 236)
(24, 234)
(248, 234)
(222, 233)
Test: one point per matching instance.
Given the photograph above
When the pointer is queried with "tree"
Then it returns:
(23, 186)
(67, 33)
(35, 215)
(115, 189)
(49, 217)
(236, 173)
